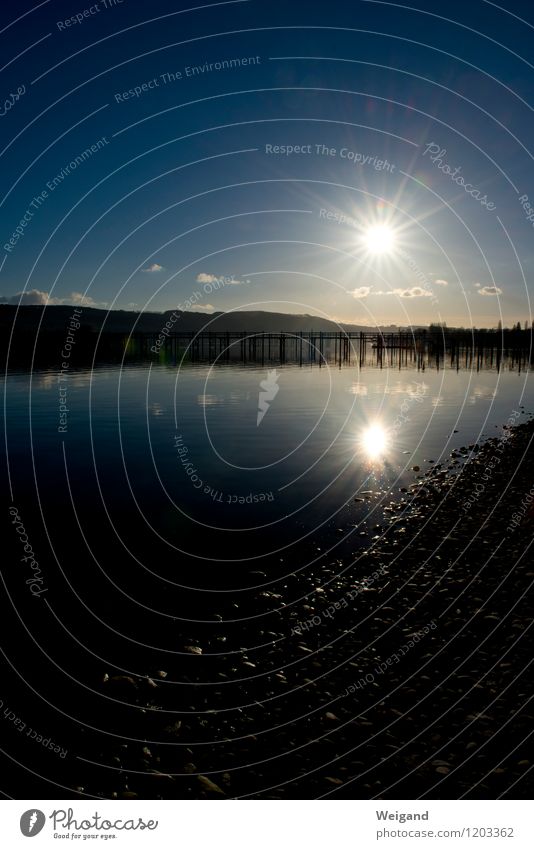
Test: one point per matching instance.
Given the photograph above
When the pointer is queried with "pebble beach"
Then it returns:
(403, 674)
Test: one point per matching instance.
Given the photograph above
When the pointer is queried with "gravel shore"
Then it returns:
(401, 675)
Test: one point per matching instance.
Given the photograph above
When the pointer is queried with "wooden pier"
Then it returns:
(418, 349)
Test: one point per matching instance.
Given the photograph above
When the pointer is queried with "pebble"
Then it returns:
(193, 649)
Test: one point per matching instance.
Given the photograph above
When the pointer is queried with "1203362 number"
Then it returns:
(493, 832)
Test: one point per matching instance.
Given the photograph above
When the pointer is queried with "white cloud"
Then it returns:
(206, 278)
(80, 300)
(414, 292)
(362, 292)
(441, 282)
(489, 290)
(202, 308)
(34, 297)
(222, 280)
(154, 268)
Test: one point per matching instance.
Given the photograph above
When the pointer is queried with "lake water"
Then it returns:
(147, 568)
(172, 466)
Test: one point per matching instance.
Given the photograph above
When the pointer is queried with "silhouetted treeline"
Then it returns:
(37, 334)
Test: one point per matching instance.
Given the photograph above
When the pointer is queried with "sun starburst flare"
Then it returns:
(374, 441)
(379, 239)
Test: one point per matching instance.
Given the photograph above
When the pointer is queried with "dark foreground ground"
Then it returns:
(402, 675)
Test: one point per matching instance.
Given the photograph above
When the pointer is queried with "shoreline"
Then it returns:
(395, 670)
(366, 709)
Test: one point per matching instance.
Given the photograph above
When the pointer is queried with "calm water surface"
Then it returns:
(173, 459)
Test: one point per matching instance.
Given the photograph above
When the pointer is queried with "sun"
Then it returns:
(374, 441)
(379, 239)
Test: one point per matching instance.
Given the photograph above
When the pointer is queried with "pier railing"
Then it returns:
(418, 348)
(402, 348)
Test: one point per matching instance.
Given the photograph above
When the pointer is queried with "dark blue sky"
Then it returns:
(401, 120)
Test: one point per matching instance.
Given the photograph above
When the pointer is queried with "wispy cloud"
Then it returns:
(201, 308)
(154, 268)
(489, 290)
(34, 297)
(221, 279)
(414, 292)
(80, 300)
(441, 282)
(362, 292)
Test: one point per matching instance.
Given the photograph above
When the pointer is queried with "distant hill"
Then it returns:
(56, 318)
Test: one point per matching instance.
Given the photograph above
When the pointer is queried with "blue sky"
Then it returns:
(397, 118)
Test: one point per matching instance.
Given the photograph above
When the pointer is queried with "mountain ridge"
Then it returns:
(53, 318)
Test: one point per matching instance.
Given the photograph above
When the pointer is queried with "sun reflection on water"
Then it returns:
(374, 441)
